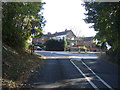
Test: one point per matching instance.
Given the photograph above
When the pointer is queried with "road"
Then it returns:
(74, 70)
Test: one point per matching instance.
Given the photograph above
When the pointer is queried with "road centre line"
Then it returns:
(97, 76)
(93, 85)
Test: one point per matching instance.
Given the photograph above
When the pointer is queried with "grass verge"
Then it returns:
(108, 59)
(17, 66)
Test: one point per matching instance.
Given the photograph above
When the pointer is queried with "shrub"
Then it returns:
(114, 54)
(54, 45)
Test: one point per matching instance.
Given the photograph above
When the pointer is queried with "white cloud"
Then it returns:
(66, 14)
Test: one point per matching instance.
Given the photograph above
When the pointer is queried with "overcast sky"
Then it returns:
(66, 14)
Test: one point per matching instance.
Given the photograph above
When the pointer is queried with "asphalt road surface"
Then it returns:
(74, 70)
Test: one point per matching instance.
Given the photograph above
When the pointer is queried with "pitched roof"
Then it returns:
(48, 35)
(61, 33)
(58, 33)
(87, 38)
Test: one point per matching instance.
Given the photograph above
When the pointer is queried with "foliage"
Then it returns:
(105, 19)
(114, 55)
(101, 45)
(17, 66)
(55, 45)
(18, 19)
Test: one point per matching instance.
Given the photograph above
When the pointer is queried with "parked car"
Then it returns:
(37, 48)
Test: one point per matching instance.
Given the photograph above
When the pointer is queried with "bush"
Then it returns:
(114, 54)
(54, 45)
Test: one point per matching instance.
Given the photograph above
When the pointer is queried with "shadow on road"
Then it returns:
(57, 73)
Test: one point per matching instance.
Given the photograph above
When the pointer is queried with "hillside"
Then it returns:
(17, 66)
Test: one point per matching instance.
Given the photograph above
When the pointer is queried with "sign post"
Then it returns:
(79, 49)
(33, 34)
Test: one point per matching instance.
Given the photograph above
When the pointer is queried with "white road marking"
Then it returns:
(88, 79)
(93, 73)
(97, 76)
(61, 53)
(69, 57)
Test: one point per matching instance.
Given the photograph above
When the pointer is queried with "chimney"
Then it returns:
(49, 33)
(65, 29)
(56, 32)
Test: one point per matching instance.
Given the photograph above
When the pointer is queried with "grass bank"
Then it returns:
(17, 66)
(109, 59)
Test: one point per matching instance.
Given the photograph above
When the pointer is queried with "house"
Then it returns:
(88, 42)
(73, 43)
(84, 43)
(43, 39)
(67, 35)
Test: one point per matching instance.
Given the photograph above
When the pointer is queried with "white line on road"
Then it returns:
(88, 79)
(93, 73)
(97, 76)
